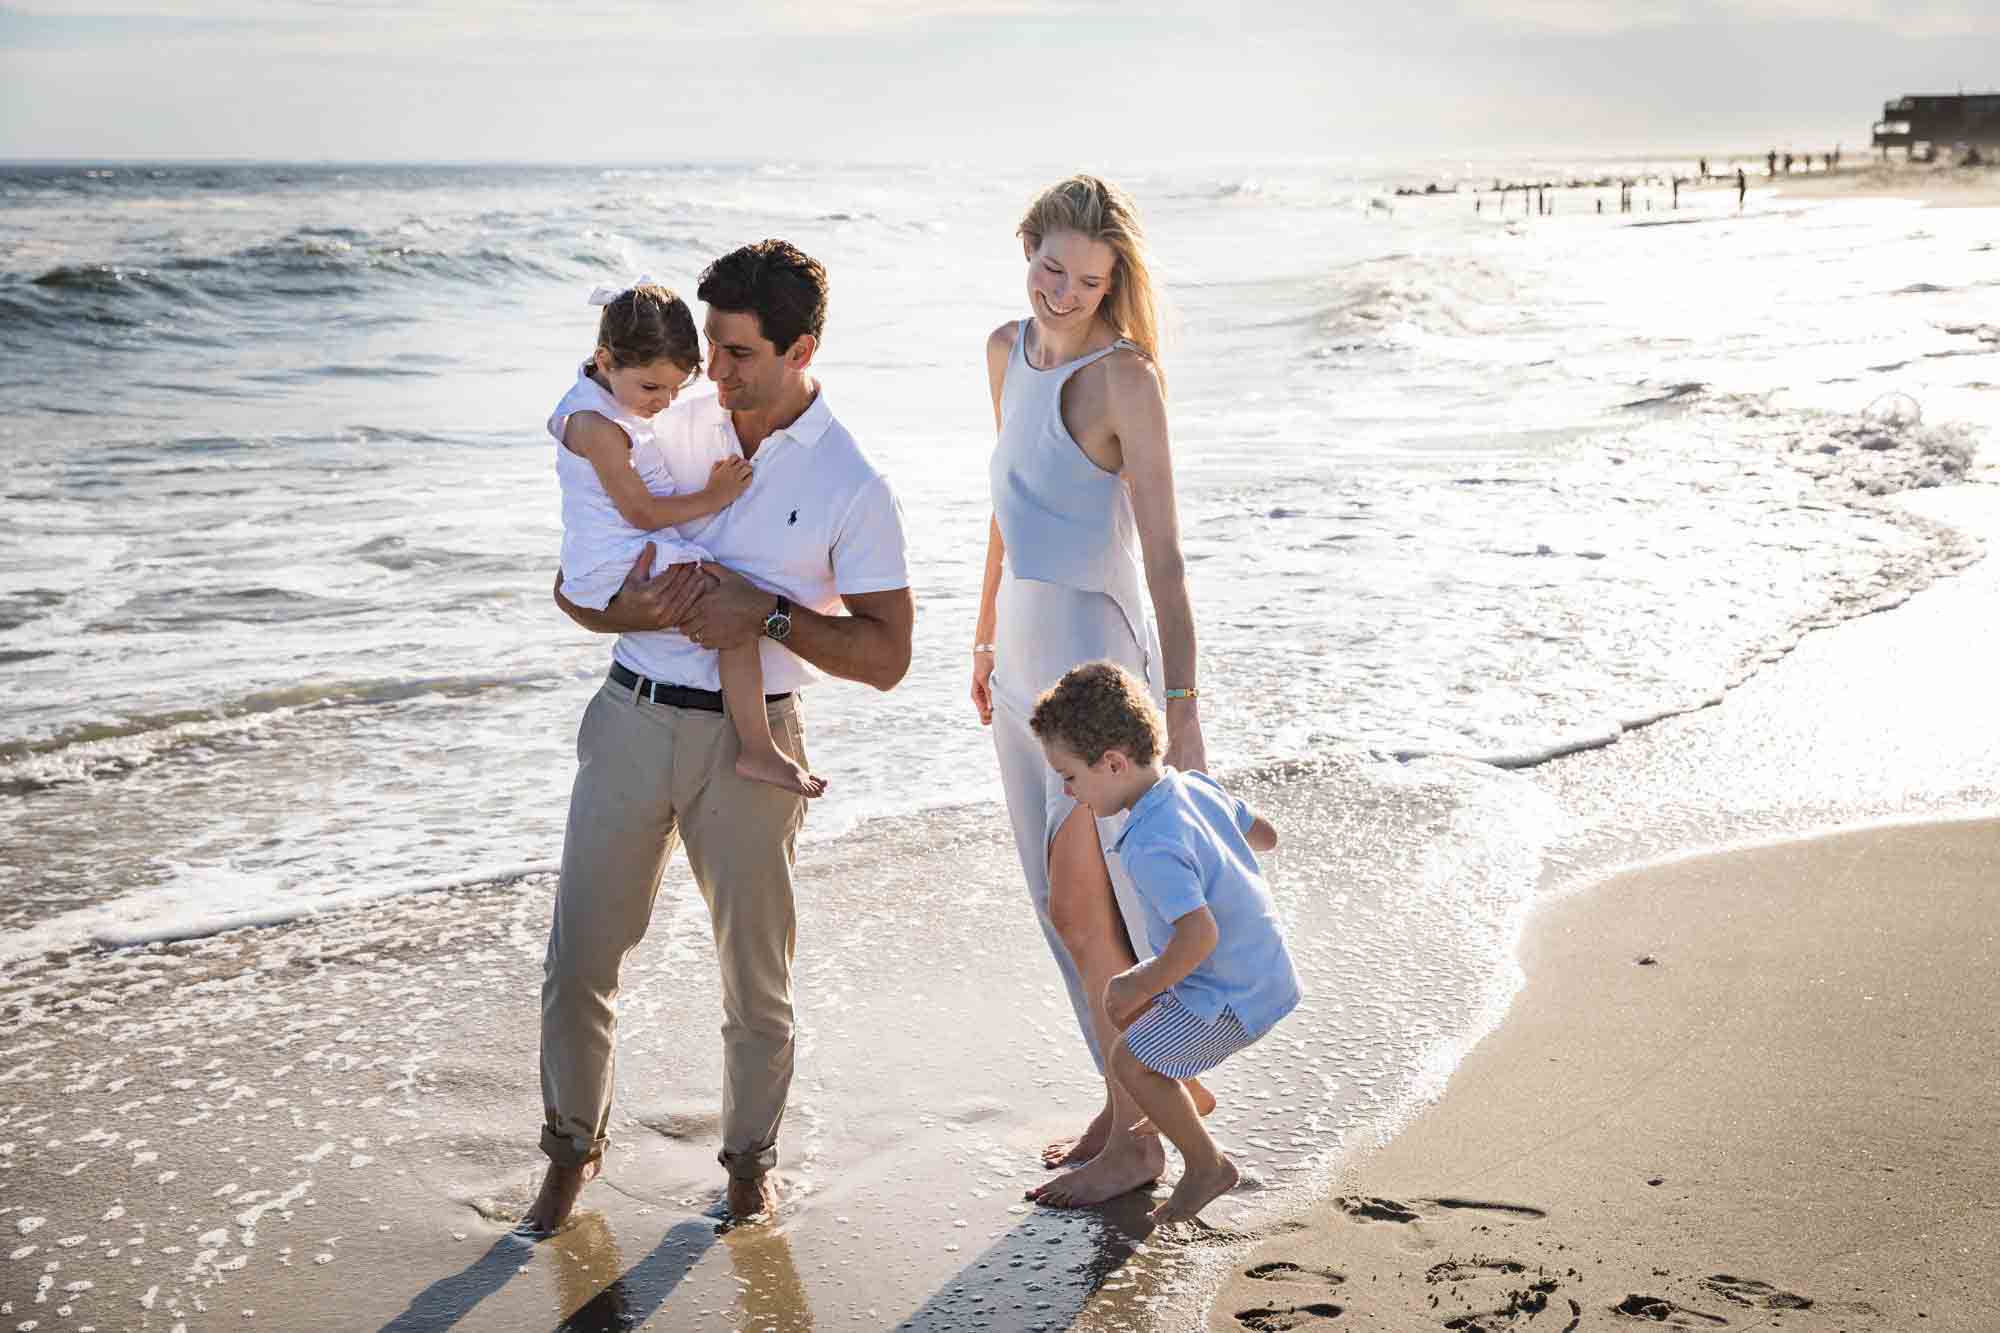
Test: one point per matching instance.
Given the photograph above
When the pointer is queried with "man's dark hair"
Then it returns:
(782, 285)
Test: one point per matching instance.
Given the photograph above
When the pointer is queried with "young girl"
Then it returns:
(617, 493)
(1219, 976)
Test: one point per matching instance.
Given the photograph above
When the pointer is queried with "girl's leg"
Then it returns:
(1085, 915)
(760, 759)
(1206, 1173)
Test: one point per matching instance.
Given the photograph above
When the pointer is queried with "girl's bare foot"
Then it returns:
(1069, 1152)
(773, 767)
(1125, 1164)
(1204, 1103)
(1198, 1188)
(557, 1199)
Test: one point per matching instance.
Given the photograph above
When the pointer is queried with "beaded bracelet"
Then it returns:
(1191, 692)
(982, 648)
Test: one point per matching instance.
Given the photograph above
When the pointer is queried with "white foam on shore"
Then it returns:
(167, 915)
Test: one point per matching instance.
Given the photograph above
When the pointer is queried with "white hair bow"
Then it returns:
(606, 295)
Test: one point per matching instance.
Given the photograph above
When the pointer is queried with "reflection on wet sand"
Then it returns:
(586, 1255)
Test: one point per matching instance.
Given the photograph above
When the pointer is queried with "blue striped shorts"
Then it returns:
(1173, 1040)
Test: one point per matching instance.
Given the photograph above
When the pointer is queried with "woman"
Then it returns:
(1083, 562)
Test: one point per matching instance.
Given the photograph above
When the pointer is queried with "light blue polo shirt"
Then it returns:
(1184, 847)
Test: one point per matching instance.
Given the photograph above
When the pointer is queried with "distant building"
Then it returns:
(1922, 126)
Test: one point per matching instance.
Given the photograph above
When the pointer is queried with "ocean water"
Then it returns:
(1461, 491)
(281, 518)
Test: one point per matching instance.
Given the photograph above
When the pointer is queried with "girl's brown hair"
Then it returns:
(645, 323)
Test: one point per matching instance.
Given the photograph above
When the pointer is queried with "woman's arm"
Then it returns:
(1138, 409)
(999, 349)
(590, 436)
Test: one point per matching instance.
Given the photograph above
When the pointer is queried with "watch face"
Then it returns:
(777, 625)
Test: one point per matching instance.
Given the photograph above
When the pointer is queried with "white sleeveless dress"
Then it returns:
(598, 545)
(1072, 590)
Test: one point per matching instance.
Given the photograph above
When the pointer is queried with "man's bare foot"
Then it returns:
(1069, 1152)
(1204, 1105)
(753, 1200)
(1125, 1164)
(773, 767)
(553, 1205)
(1198, 1188)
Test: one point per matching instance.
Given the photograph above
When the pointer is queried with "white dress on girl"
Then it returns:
(598, 545)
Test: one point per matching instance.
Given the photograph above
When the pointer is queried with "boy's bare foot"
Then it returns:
(1124, 1165)
(1204, 1104)
(753, 1200)
(771, 766)
(1198, 1188)
(1069, 1152)
(553, 1205)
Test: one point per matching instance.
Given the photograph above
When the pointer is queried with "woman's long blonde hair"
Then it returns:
(1102, 212)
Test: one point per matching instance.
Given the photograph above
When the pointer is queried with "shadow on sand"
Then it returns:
(448, 1300)
(1034, 1277)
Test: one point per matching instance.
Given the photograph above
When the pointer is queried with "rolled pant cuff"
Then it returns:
(562, 1149)
(750, 1164)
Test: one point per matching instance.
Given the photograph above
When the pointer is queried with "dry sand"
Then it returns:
(1753, 1089)
(1935, 184)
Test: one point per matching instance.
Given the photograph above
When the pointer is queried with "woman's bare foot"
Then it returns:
(773, 767)
(1204, 1104)
(557, 1199)
(753, 1200)
(1069, 1152)
(1198, 1188)
(1125, 1164)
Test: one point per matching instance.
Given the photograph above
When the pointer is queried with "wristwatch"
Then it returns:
(778, 625)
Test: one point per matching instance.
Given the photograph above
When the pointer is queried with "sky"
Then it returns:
(929, 80)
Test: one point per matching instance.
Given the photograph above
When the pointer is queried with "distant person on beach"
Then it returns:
(1083, 562)
(1217, 975)
(618, 492)
(817, 533)
(1742, 188)
(1771, 163)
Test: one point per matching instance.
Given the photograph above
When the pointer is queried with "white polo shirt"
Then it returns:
(817, 522)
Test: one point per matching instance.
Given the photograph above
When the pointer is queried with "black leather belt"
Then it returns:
(675, 696)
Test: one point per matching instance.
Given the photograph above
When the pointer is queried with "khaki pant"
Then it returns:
(647, 776)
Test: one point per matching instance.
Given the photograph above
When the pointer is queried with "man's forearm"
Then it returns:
(870, 644)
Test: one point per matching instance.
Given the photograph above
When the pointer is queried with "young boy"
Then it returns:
(1219, 976)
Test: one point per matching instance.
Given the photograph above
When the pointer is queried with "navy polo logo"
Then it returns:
(793, 519)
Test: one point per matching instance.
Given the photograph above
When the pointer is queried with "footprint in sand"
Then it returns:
(1280, 1271)
(1760, 1295)
(1265, 1319)
(1273, 1320)
(1663, 1311)
(1488, 1206)
(1523, 1302)
(1376, 1210)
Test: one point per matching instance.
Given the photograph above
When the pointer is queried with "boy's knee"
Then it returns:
(1121, 1059)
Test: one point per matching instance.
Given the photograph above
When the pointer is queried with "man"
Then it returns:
(817, 534)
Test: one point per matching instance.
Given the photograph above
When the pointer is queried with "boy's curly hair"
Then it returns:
(1096, 707)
